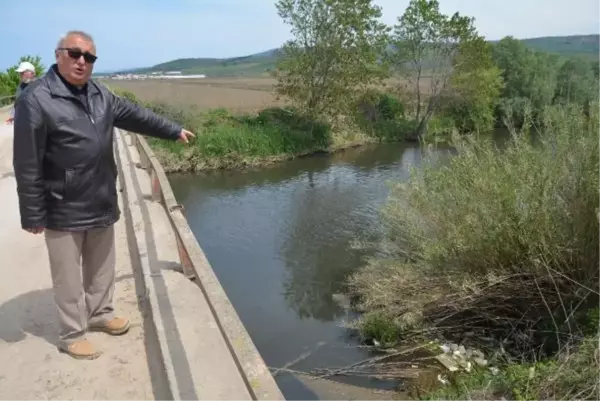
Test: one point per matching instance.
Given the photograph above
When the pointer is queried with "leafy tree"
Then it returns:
(9, 80)
(427, 45)
(527, 74)
(334, 54)
(577, 82)
(476, 85)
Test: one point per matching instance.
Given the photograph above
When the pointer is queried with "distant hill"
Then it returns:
(577, 45)
(252, 65)
(260, 63)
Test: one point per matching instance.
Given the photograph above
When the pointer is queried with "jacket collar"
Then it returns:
(58, 87)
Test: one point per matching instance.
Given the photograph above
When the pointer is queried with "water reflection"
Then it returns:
(279, 240)
(323, 222)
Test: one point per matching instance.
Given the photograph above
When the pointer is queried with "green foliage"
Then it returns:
(527, 74)
(440, 129)
(574, 45)
(577, 82)
(127, 95)
(427, 41)
(390, 107)
(574, 374)
(381, 115)
(476, 87)
(379, 327)
(571, 375)
(227, 141)
(495, 240)
(9, 80)
(514, 111)
(184, 116)
(333, 56)
(478, 385)
(515, 382)
(590, 322)
(525, 379)
(263, 62)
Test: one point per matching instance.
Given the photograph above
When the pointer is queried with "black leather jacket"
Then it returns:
(63, 153)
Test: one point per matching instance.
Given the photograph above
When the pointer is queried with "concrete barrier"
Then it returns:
(8, 106)
(205, 350)
(6, 109)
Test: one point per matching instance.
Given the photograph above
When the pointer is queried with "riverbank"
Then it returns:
(498, 250)
(227, 141)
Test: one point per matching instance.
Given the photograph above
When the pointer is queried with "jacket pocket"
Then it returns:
(55, 189)
(68, 185)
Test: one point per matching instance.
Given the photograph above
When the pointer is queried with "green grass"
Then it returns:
(571, 375)
(503, 243)
(226, 141)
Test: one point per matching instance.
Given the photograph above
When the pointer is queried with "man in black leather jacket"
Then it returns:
(66, 183)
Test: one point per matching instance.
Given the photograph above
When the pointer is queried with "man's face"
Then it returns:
(75, 59)
(27, 76)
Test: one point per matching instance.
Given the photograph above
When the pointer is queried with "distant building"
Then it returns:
(156, 75)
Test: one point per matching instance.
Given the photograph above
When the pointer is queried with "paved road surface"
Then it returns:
(30, 365)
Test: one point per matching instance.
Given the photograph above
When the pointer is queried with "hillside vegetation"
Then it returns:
(261, 63)
(252, 65)
(576, 45)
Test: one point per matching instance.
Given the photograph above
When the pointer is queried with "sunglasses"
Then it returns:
(75, 54)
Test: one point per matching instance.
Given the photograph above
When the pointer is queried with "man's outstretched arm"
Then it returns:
(131, 117)
(28, 159)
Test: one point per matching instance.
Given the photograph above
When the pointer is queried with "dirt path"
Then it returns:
(30, 365)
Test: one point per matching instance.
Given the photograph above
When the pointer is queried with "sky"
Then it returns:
(141, 33)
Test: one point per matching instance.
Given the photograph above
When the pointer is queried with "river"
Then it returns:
(281, 240)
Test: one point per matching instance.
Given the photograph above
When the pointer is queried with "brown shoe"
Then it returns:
(115, 326)
(81, 349)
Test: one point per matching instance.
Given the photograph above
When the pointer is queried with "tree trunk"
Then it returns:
(422, 127)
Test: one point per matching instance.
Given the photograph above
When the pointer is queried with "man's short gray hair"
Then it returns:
(81, 34)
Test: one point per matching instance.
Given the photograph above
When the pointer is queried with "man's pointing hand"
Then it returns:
(185, 136)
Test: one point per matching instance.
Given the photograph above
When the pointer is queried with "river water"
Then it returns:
(281, 240)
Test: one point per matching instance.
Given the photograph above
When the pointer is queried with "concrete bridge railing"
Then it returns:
(250, 366)
(6, 103)
(6, 100)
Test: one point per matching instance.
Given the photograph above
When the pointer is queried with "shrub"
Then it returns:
(514, 111)
(184, 116)
(379, 327)
(440, 128)
(500, 243)
(227, 141)
(574, 375)
(126, 95)
(381, 115)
